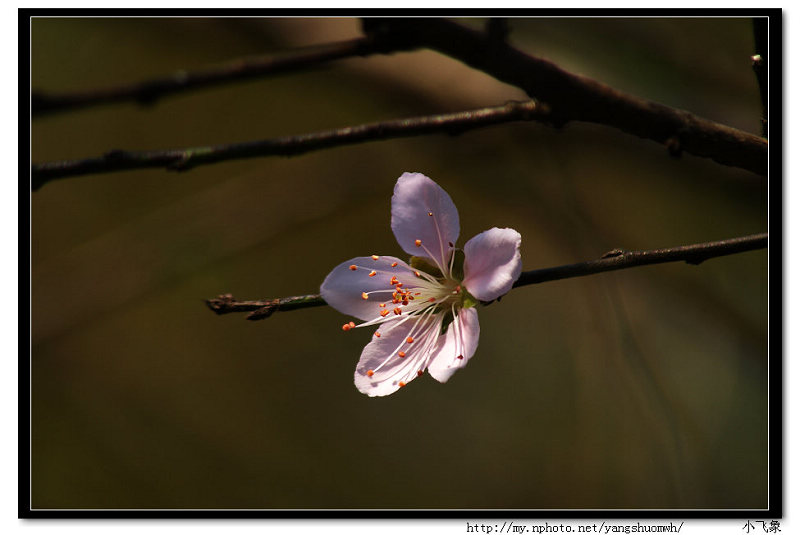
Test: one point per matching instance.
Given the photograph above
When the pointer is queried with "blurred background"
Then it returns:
(642, 388)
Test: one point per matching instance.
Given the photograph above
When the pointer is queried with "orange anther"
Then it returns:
(375, 257)
(384, 313)
(398, 311)
(346, 327)
(364, 295)
(430, 214)
(394, 281)
(401, 354)
(352, 325)
(432, 300)
(394, 264)
(353, 267)
(460, 357)
(419, 373)
(370, 373)
(377, 334)
(372, 273)
(382, 305)
(417, 274)
(401, 384)
(409, 340)
(418, 242)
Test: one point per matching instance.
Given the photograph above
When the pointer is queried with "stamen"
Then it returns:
(419, 373)
(418, 243)
(382, 305)
(377, 334)
(364, 296)
(401, 354)
(397, 311)
(372, 273)
(384, 313)
(401, 384)
(430, 214)
(460, 357)
(352, 325)
(417, 274)
(353, 267)
(370, 373)
(394, 264)
(409, 340)
(346, 327)
(375, 257)
(394, 281)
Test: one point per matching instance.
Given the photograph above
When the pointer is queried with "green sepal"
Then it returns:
(467, 299)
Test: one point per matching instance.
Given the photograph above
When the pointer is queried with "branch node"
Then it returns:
(612, 253)
(674, 147)
(220, 303)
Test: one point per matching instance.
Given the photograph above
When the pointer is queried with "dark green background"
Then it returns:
(644, 388)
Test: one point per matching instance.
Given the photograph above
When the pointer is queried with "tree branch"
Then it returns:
(577, 98)
(612, 260)
(149, 91)
(184, 159)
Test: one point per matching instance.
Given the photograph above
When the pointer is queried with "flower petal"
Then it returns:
(382, 370)
(422, 210)
(492, 263)
(344, 287)
(457, 345)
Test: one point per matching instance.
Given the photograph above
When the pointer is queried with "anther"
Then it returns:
(384, 312)
(394, 264)
(398, 285)
(353, 267)
(372, 273)
(419, 373)
(450, 244)
(398, 311)
(401, 384)
(346, 327)
(382, 305)
(394, 281)
(460, 357)
(409, 340)
(370, 373)
(364, 296)
(430, 214)
(375, 257)
(401, 354)
(432, 300)
(417, 274)
(418, 243)
(377, 334)
(352, 325)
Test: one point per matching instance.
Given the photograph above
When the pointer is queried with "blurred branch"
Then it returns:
(576, 98)
(149, 91)
(761, 37)
(569, 97)
(184, 159)
(612, 260)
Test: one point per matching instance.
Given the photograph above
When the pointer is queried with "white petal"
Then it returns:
(390, 371)
(458, 344)
(416, 196)
(492, 263)
(343, 287)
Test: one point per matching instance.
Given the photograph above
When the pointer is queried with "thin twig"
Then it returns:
(149, 91)
(612, 260)
(577, 98)
(184, 159)
(619, 259)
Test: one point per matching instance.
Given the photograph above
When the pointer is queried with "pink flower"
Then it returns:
(425, 309)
